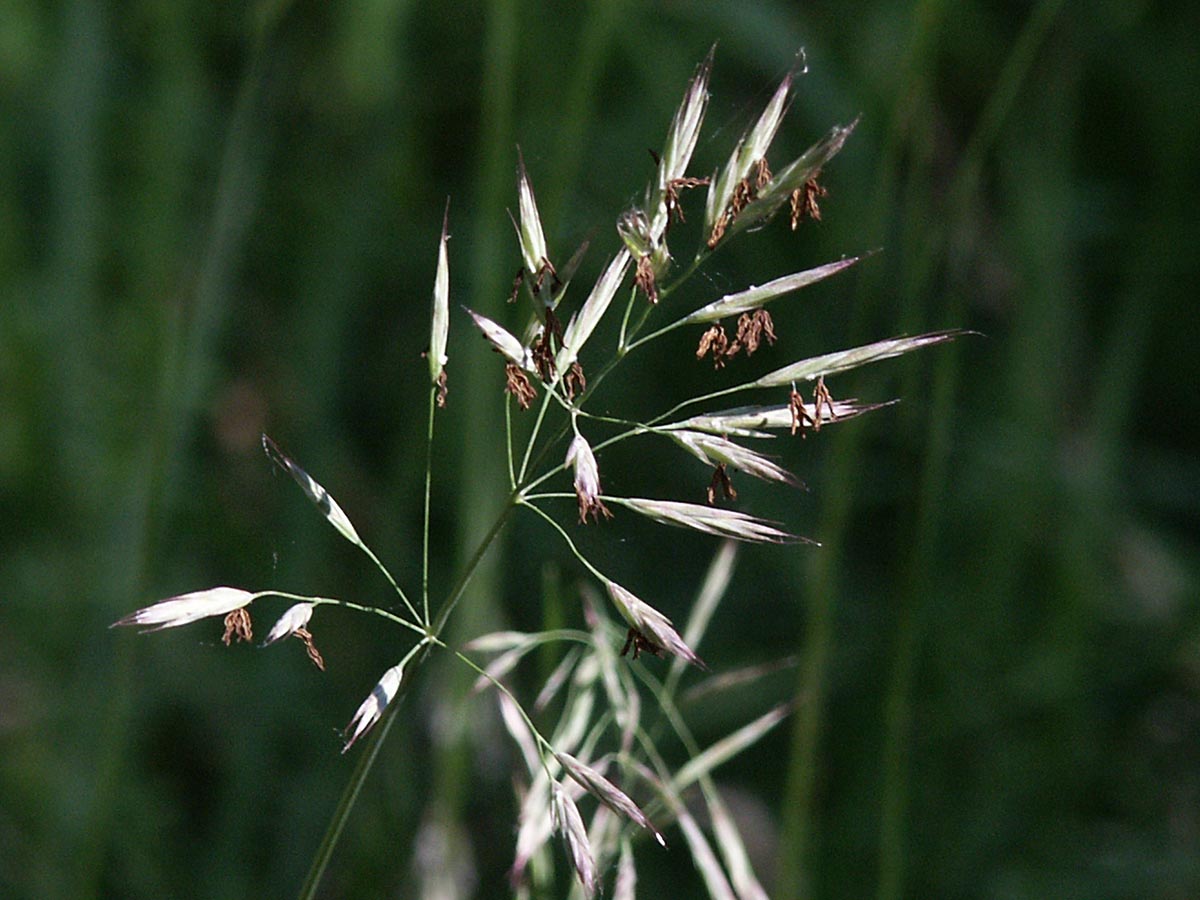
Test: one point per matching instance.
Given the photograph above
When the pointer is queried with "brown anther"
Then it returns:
(441, 390)
(592, 506)
(517, 383)
(822, 397)
(762, 175)
(547, 346)
(237, 624)
(574, 381)
(752, 328)
(801, 420)
(546, 267)
(671, 196)
(313, 653)
(718, 230)
(720, 485)
(714, 340)
(644, 279)
(804, 201)
(518, 280)
(639, 643)
(743, 193)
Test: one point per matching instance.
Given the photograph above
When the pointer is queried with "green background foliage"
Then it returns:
(222, 219)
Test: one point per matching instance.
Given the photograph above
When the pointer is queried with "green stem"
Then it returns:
(433, 391)
(433, 636)
(348, 604)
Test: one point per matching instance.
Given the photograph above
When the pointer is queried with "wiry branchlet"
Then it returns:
(756, 297)
(651, 626)
(607, 793)
(757, 421)
(570, 825)
(183, 609)
(719, 522)
(371, 709)
(440, 319)
(317, 494)
(587, 480)
(844, 360)
(716, 450)
(750, 149)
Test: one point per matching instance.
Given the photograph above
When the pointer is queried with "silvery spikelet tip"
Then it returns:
(372, 708)
(651, 625)
(316, 493)
(440, 319)
(186, 608)
(607, 793)
(570, 825)
(529, 227)
(507, 345)
(587, 480)
(289, 623)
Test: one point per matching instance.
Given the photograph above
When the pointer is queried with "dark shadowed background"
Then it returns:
(222, 219)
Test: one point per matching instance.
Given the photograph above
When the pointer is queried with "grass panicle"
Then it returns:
(606, 724)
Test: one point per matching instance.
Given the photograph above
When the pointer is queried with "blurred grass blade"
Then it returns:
(705, 860)
(728, 747)
(732, 849)
(716, 581)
